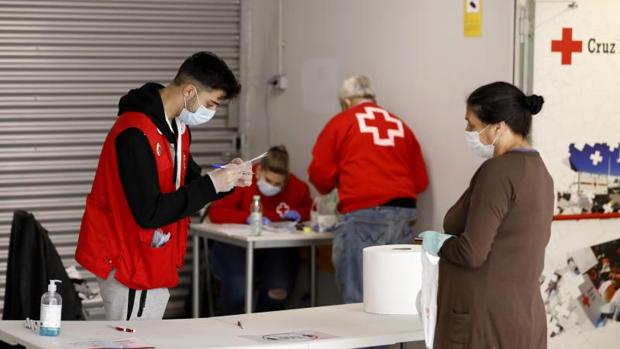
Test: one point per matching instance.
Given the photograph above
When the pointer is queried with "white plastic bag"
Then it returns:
(323, 215)
(427, 297)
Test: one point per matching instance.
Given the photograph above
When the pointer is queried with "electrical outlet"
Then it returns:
(280, 82)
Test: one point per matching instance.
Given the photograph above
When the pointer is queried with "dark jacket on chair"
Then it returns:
(33, 261)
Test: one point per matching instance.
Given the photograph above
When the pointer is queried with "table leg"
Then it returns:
(196, 281)
(403, 345)
(249, 276)
(313, 276)
(208, 279)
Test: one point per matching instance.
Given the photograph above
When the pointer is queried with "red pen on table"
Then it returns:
(123, 329)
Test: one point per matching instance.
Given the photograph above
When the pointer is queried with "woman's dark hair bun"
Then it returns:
(534, 103)
(501, 101)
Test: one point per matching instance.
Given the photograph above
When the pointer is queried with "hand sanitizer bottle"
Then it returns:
(51, 311)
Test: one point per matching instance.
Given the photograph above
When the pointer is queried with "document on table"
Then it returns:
(290, 337)
(235, 229)
(243, 230)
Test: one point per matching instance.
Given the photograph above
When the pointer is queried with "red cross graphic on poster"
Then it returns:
(282, 209)
(567, 46)
(585, 300)
(383, 127)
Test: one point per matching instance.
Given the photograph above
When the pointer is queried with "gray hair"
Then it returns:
(357, 86)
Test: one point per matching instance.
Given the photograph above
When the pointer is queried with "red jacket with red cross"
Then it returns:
(372, 157)
(110, 238)
(235, 208)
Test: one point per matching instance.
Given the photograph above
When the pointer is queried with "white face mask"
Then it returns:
(267, 189)
(485, 151)
(200, 116)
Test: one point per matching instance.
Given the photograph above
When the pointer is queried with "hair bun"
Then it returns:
(534, 103)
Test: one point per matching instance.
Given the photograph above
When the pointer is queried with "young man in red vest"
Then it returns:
(134, 229)
(375, 161)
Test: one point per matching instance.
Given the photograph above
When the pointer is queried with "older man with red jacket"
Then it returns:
(374, 160)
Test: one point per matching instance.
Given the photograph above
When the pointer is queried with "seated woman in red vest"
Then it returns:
(283, 197)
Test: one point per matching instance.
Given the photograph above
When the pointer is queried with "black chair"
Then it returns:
(32, 262)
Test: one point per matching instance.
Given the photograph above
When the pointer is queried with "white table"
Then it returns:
(351, 326)
(239, 235)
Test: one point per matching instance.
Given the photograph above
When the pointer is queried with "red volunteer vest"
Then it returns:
(110, 238)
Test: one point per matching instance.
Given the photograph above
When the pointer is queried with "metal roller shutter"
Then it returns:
(63, 67)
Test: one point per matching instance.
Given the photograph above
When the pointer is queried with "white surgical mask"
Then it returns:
(485, 151)
(267, 189)
(200, 116)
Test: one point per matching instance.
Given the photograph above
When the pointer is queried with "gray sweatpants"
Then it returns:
(146, 305)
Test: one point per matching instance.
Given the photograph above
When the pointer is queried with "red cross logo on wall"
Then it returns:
(383, 127)
(567, 46)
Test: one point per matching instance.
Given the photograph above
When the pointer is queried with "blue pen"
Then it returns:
(224, 166)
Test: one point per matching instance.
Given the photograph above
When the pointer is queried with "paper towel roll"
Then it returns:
(392, 278)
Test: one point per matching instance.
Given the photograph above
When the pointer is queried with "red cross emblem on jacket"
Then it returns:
(383, 127)
(282, 209)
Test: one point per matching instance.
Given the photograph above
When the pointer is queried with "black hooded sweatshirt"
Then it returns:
(138, 168)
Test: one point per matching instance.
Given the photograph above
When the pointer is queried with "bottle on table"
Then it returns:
(51, 311)
(256, 216)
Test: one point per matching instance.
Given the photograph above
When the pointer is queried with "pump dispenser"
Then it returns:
(51, 311)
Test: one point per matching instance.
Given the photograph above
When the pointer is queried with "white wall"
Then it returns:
(415, 54)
